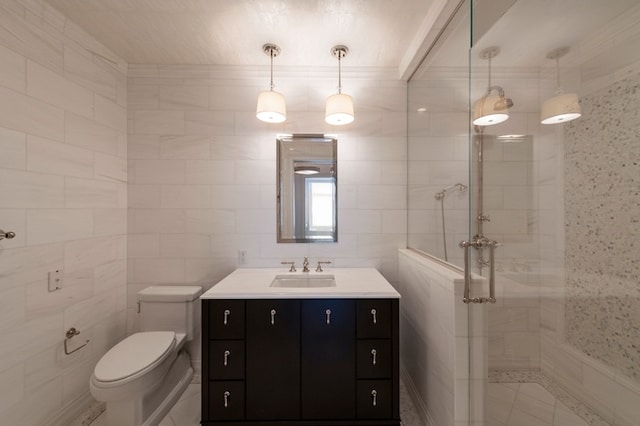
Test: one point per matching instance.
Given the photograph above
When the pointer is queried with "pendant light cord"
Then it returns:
(271, 55)
(559, 90)
(489, 86)
(340, 71)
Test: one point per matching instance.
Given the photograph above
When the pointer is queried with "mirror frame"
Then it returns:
(332, 159)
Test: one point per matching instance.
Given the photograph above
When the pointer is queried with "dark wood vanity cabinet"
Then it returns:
(305, 362)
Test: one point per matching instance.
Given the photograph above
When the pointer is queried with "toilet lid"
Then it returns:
(134, 354)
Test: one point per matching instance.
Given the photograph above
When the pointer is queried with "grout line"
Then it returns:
(586, 413)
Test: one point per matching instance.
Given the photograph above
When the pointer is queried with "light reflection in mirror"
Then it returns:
(307, 189)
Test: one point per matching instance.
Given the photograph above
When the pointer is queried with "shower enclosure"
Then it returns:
(551, 209)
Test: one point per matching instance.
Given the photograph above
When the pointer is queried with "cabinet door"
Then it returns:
(226, 400)
(374, 359)
(374, 319)
(374, 399)
(273, 359)
(226, 319)
(328, 359)
(226, 359)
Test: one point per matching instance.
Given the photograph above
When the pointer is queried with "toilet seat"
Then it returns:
(134, 356)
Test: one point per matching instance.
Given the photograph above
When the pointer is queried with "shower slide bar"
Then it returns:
(440, 194)
(478, 242)
(440, 197)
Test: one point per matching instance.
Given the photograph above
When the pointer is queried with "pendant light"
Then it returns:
(339, 108)
(564, 106)
(271, 105)
(493, 107)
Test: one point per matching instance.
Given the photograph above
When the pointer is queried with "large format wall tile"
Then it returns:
(202, 173)
(63, 177)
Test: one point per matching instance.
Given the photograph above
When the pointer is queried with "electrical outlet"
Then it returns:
(55, 279)
(242, 257)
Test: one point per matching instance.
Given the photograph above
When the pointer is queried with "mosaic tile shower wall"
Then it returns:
(602, 201)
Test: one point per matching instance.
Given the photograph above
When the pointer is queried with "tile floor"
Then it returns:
(186, 412)
(527, 404)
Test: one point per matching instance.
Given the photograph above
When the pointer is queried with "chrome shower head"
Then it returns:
(503, 103)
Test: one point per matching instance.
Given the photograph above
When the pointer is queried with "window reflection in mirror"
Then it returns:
(307, 189)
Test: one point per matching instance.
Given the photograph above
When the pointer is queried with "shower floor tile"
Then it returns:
(527, 404)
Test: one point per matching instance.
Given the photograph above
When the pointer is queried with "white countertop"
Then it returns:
(254, 283)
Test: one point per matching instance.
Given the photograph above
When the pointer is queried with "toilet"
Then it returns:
(142, 377)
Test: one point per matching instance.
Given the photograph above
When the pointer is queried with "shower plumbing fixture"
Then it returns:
(440, 194)
(440, 197)
(483, 218)
(479, 242)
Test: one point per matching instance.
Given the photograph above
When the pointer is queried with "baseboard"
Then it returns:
(79, 412)
(421, 408)
(196, 365)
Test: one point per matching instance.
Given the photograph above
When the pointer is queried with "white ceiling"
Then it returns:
(379, 33)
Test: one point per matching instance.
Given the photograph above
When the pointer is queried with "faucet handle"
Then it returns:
(322, 262)
(293, 265)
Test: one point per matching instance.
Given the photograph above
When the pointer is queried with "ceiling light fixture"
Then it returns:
(564, 106)
(306, 170)
(492, 108)
(271, 105)
(339, 108)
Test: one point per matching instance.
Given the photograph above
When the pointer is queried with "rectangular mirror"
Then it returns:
(307, 192)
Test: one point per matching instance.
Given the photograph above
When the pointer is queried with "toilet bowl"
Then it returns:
(142, 376)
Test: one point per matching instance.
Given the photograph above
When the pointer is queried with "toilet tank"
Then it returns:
(169, 308)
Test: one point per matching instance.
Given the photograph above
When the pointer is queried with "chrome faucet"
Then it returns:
(305, 264)
(320, 263)
(293, 265)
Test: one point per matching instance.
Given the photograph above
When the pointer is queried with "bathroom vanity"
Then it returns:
(305, 349)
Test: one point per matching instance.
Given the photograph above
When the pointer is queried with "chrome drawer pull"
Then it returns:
(226, 357)
(328, 312)
(273, 316)
(227, 394)
(374, 315)
(374, 397)
(226, 316)
(373, 354)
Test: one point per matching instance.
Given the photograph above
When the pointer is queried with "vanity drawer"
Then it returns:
(226, 400)
(374, 318)
(373, 359)
(226, 359)
(226, 319)
(374, 399)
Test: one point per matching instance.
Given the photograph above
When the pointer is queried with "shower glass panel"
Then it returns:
(562, 200)
(438, 145)
(562, 342)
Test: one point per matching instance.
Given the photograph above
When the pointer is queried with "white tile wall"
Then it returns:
(434, 342)
(63, 189)
(203, 173)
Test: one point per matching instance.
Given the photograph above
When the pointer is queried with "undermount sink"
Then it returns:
(303, 281)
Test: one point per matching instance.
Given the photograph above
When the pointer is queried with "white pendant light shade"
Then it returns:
(564, 106)
(489, 110)
(339, 109)
(271, 107)
(560, 109)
